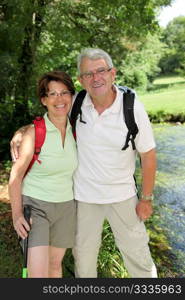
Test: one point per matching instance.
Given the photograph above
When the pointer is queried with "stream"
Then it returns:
(170, 189)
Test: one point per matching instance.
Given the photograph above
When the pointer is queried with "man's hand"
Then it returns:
(144, 209)
(16, 142)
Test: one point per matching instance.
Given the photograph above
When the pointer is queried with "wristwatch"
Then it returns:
(147, 197)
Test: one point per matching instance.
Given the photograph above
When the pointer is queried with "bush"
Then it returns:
(161, 116)
(10, 121)
(133, 78)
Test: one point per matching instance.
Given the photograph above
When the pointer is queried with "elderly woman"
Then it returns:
(48, 186)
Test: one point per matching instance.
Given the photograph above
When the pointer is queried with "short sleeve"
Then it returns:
(144, 140)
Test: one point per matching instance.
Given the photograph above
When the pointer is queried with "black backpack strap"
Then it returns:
(128, 111)
(76, 110)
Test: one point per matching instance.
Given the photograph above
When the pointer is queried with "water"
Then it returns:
(170, 189)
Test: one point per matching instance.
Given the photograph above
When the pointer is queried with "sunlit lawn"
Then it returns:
(171, 79)
(168, 94)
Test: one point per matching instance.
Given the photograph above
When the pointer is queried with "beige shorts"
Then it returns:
(53, 224)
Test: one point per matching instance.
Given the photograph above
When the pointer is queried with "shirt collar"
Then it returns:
(114, 108)
(50, 126)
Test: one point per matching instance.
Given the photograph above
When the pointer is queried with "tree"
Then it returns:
(140, 65)
(40, 35)
(173, 60)
(21, 23)
(27, 19)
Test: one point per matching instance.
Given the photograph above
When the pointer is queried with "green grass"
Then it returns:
(167, 94)
(10, 252)
(168, 80)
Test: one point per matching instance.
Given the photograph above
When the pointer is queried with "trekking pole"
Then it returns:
(27, 214)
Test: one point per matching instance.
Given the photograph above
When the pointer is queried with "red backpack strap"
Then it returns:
(40, 134)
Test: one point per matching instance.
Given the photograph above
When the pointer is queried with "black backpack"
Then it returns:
(128, 112)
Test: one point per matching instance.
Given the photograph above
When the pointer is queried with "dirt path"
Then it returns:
(5, 209)
(4, 197)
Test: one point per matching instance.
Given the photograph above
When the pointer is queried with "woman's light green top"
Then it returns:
(52, 179)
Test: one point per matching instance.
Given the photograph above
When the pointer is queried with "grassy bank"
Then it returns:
(165, 100)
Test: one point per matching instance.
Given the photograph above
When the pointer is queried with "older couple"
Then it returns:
(104, 187)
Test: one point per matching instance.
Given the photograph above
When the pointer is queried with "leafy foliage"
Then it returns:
(39, 35)
(173, 60)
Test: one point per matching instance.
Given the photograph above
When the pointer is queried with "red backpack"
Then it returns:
(40, 134)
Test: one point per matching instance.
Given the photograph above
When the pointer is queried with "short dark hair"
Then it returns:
(55, 75)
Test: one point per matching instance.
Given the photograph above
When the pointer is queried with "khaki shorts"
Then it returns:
(53, 224)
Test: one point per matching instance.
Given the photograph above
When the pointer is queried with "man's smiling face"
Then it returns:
(96, 77)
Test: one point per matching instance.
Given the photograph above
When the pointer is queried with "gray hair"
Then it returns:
(94, 53)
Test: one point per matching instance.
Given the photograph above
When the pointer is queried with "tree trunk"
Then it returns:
(26, 59)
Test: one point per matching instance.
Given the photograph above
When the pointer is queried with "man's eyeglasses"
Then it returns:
(54, 94)
(89, 75)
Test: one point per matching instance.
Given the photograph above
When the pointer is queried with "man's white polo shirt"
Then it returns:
(105, 172)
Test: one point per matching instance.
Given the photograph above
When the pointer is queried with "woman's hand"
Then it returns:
(21, 226)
